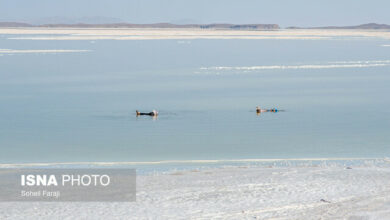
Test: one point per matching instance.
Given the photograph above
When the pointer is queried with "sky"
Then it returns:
(283, 12)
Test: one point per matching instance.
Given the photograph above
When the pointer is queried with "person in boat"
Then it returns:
(152, 113)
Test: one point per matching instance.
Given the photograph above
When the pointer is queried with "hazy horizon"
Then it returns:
(292, 13)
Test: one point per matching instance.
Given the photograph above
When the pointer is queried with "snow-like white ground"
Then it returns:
(240, 192)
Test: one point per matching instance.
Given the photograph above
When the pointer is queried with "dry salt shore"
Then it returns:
(184, 34)
(10, 51)
(238, 192)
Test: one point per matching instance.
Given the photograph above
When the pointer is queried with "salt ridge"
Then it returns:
(329, 65)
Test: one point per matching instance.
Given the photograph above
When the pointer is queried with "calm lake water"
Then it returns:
(72, 107)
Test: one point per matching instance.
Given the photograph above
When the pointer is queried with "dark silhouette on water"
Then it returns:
(152, 113)
(259, 110)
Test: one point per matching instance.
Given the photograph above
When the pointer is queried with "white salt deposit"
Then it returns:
(12, 51)
(329, 65)
(317, 191)
(184, 34)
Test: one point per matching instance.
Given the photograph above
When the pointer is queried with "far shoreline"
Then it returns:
(92, 34)
(194, 162)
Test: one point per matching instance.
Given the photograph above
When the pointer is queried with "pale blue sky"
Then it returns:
(283, 12)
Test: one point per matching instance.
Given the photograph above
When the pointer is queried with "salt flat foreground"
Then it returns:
(294, 192)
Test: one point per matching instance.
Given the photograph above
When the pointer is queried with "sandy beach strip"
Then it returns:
(317, 191)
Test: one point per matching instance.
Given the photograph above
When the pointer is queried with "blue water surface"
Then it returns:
(80, 107)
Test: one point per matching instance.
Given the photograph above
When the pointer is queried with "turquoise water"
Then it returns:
(81, 106)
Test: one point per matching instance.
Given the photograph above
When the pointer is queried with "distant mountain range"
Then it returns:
(67, 20)
(14, 24)
(196, 26)
(156, 25)
(362, 26)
